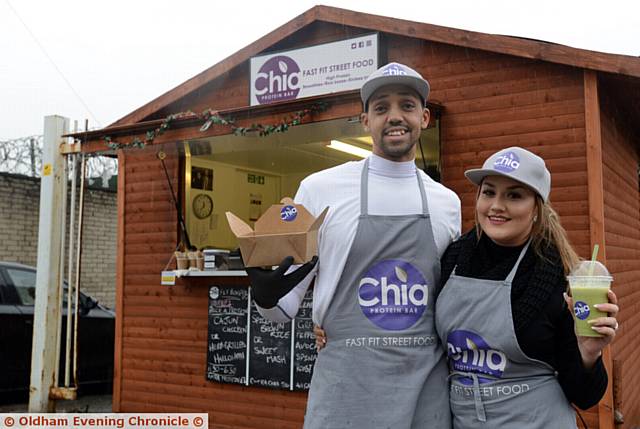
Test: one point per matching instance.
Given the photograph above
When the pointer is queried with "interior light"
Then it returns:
(350, 149)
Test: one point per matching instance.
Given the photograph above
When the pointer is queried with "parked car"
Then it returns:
(96, 327)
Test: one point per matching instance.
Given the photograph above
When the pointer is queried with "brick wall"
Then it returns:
(19, 207)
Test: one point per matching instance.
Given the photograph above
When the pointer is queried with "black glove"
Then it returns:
(268, 286)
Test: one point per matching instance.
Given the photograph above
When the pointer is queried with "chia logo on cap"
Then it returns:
(288, 213)
(394, 70)
(469, 352)
(278, 79)
(507, 162)
(393, 294)
(581, 310)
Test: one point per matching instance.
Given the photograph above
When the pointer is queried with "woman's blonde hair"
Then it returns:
(547, 231)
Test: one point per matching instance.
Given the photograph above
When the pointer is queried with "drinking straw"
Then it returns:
(594, 255)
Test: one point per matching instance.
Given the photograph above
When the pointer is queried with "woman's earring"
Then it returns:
(535, 218)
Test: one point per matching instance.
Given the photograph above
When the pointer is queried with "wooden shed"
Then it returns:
(575, 108)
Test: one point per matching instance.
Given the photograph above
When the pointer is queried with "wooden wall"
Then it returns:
(490, 101)
(622, 234)
(162, 337)
(493, 101)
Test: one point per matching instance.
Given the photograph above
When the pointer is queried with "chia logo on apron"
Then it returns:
(278, 79)
(581, 310)
(469, 352)
(393, 294)
(507, 162)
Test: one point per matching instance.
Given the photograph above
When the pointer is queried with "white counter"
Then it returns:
(210, 273)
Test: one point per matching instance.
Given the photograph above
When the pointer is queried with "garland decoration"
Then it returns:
(212, 117)
(283, 125)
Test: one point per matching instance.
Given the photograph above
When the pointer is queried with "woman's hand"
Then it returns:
(321, 337)
(591, 347)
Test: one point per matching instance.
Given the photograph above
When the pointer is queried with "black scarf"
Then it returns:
(535, 280)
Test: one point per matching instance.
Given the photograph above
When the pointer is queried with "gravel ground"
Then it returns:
(85, 404)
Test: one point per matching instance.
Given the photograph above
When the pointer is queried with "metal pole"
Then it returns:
(32, 153)
(63, 233)
(83, 168)
(73, 159)
(46, 313)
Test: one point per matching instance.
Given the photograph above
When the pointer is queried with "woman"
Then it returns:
(503, 313)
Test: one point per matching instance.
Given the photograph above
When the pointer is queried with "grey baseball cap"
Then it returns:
(394, 73)
(518, 164)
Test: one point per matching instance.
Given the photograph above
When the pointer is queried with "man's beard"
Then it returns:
(400, 151)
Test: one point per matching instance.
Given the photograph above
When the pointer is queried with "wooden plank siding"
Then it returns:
(117, 362)
(622, 234)
(491, 101)
(162, 331)
(596, 215)
(348, 23)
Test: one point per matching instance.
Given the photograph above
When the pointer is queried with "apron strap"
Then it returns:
(477, 398)
(364, 191)
(423, 194)
(513, 271)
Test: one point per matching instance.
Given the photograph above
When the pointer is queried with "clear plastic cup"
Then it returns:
(182, 262)
(589, 282)
(193, 259)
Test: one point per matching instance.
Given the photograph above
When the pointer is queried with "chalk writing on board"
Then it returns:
(304, 346)
(245, 348)
(227, 335)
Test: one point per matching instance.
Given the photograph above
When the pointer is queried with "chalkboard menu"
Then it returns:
(304, 345)
(227, 348)
(245, 348)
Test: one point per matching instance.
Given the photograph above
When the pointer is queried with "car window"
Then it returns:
(3, 290)
(25, 284)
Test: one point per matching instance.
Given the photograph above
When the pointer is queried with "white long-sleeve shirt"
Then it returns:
(393, 190)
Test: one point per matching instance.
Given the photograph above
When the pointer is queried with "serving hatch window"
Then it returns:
(247, 174)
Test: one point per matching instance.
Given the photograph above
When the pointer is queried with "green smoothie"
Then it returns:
(589, 282)
(585, 295)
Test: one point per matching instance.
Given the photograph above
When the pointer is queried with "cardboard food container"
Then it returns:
(285, 229)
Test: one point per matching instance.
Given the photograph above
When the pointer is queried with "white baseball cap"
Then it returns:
(394, 73)
(518, 164)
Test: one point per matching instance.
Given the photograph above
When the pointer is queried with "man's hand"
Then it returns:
(268, 286)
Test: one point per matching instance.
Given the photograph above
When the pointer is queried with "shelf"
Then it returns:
(210, 273)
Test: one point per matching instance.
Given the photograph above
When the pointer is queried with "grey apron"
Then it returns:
(492, 382)
(383, 366)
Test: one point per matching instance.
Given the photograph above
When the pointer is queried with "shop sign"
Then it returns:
(316, 70)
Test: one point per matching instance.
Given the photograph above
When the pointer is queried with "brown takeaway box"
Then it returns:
(285, 229)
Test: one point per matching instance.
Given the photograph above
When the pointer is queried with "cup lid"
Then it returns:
(590, 269)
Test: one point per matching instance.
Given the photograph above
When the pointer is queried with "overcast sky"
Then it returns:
(100, 60)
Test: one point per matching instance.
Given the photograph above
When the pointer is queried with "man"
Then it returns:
(375, 283)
